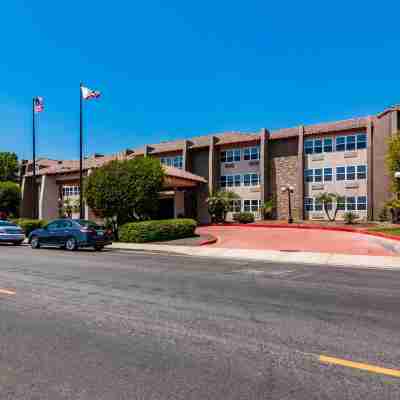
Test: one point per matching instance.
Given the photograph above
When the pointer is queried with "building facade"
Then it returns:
(344, 157)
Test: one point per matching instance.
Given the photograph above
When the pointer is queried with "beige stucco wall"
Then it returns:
(48, 201)
(343, 188)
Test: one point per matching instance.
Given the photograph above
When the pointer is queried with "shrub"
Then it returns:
(244, 217)
(10, 198)
(350, 217)
(383, 215)
(29, 225)
(219, 205)
(153, 231)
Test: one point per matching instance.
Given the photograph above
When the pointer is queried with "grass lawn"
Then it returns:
(389, 231)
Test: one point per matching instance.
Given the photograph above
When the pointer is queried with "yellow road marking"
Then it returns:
(5, 291)
(356, 365)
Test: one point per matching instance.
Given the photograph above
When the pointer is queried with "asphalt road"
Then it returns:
(116, 325)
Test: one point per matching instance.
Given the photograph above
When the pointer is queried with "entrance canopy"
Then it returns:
(178, 178)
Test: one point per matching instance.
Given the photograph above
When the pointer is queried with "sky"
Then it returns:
(175, 69)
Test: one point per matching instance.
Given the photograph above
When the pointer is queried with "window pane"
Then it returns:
(361, 141)
(236, 155)
(318, 205)
(351, 173)
(340, 174)
(237, 180)
(246, 179)
(361, 172)
(229, 180)
(223, 181)
(318, 146)
(255, 180)
(223, 156)
(255, 153)
(308, 175)
(246, 154)
(229, 156)
(327, 174)
(318, 175)
(361, 203)
(328, 145)
(309, 204)
(351, 203)
(350, 143)
(340, 143)
(254, 205)
(308, 146)
(246, 205)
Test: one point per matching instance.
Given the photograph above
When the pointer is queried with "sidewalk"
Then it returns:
(328, 259)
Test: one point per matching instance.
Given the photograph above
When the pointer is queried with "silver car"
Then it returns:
(11, 233)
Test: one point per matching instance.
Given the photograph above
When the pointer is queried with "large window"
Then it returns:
(328, 145)
(350, 173)
(309, 146)
(351, 142)
(229, 156)
(318, 146)
(237, 180)
(361, 141)
(176, 161)
(361, 203)
(340, 143)
(340, 173)
(350, 203)
(251, 205)
(70, 190)
(251, 153)
(361, 172)
(327, 174)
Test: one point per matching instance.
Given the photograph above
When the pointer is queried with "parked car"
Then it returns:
(11, 233)
(71, 234)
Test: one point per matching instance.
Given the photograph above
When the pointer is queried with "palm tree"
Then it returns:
(330, 198)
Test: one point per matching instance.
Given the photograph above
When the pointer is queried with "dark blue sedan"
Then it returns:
(70, 234)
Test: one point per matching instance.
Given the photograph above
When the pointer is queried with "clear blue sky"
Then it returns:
(178, 68)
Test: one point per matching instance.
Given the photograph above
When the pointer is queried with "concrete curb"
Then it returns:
(325, 259)
(310, 227)
(212, 240)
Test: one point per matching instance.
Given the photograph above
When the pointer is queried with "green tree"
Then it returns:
(124, 191)
(330, 203)
(10, 198)
(393, 161)
(219, 204)
(8, 166)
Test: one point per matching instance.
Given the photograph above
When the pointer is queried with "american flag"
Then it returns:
(39, 105)
(89, 93)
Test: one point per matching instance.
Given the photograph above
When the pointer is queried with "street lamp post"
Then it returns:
(289, 190)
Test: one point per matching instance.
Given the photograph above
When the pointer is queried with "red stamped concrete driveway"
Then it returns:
(291, 239)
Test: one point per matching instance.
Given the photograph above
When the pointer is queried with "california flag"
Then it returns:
(89, 93)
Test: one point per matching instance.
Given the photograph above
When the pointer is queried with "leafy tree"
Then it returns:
(219, 204)
(393, 161)
(268, 207)
(330, 199)
(10, 198)
(124, 191)
(8, 166)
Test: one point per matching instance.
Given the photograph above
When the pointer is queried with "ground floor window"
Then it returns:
(235, 206)
(350, 203)
(70, 190)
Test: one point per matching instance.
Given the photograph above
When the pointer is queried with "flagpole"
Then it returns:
(35, 199)
(81, 210)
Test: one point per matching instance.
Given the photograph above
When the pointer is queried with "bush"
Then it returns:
(10, 198)
(350, 218)
(29, 225)
(153, 231)
(383, 215)
(244, 217)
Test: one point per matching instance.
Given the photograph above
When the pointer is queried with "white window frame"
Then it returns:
(309, 202)
(251, 153)
(230, 156)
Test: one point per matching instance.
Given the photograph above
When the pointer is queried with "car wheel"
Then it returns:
(71, 244)
(98, 248)
(35, 244)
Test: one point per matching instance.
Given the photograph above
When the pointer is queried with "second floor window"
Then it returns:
(251, 153)
(176, 162)
(229, 156)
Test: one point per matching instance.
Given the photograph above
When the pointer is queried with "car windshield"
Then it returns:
(89, 224)
(6, 223)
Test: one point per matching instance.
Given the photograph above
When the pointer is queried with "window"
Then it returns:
(340, 143)
(361, 202)
(318, 175)
(235, 206)
(351, 203)
(327, 174)
(361, 141)
(328, 145)
(340, 173)
(246, 205)
(247, 180)
(351, 173)
(176, 162)
(223, 181)
(255, 180)
(350, 143)
(328, 205)
(318, 146)
(255, 205)
(309, 204)
(309, 175)
(361, 171)
(238, 180)
(229, 180)
(251, 153)
(309, 146)
(318, 205)
(229, 156)
(68, 191)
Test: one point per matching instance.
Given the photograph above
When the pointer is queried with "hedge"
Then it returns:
(29, 225)
(153, 231)
(244, 217)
